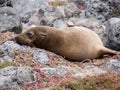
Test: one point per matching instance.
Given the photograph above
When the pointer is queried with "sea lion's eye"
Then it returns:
(30, 35)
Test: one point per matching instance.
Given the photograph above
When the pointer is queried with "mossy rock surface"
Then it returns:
(6, 64)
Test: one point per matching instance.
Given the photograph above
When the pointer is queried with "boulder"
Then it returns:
(8, 71)
(25, 8)
(113, 65)
(15, 76)
(49, 17)
(5, 83)
(71, 10)
(60, 71)
(8, 51)
(5, 3)
(92, 24)
(40, 56)
(102, 9)
(9, 47)
(96, 9)
(5, 58)
(113, 33)
(59, 24)
(24, 74)
(61, 10)
(45, 17)
(7, 76)
(114, 8)
(9, 20)
(35, 18)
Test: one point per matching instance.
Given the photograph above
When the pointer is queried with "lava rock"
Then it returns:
(6, 77)
(114, 8)
(8, 71)
(15, 76)
(45, 17)
(59, 24)
(92, 24)
(96, 9)
(24, 74)
(61, 10)
(40, 56)
(113, 65)
(5, 3)
(9, 47)
(59, 71)
(71, 10)
(9, 20)
(25, 8)
(113, 33)
(49, 17)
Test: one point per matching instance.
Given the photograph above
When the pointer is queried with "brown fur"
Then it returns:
(75, 43)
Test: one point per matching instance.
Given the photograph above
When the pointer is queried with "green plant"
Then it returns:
(101, 82)
(6, 63)
(57, 3)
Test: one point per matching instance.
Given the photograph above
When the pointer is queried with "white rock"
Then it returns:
(42, 57)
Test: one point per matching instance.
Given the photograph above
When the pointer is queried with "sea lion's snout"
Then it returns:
(23, 40)
(19, 40)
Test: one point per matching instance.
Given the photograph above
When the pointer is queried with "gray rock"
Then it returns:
(92, 24)
(15, 76)
(35, 18)
(96, 9)
(8, 71)
(74, 20)
(5, 58)
(5, 3)
(7, 76)
(102, 9)
(2, 2)
(45, 17)
(114, 8)
(49, 17)
(115, 2)
(60, 71)
(27, 26)
(42, 57)
(25, 8)
(61, 10)
(9, 20)
(113, 65)
(59, 24)
(113, 33)
(9, 47)
(5, 83)
(70, 24)
(71, 10)
(24, 74)
(8, 51)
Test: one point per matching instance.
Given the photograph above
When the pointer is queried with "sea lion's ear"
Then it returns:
(40, 33)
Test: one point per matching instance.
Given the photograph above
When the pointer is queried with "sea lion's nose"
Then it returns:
(19, 40)
(16, 38)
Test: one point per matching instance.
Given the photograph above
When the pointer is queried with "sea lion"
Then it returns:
(74, 43)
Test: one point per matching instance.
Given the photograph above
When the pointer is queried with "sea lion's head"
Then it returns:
(31, 36)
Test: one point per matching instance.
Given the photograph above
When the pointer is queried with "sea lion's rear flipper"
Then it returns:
(105, 50)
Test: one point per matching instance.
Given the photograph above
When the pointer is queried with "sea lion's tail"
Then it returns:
(109, 51)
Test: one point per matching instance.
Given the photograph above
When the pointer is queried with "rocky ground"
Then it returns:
(27, 68)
